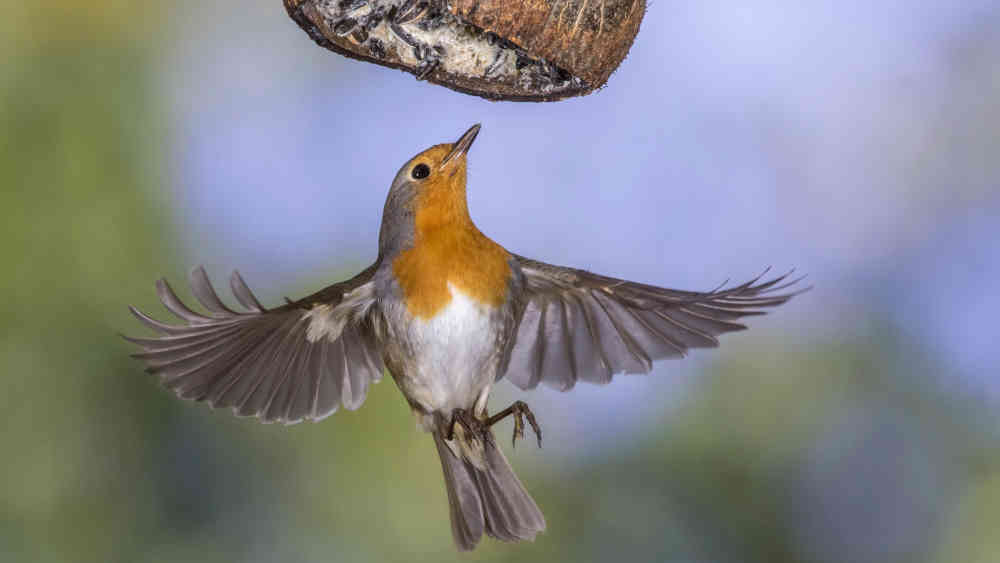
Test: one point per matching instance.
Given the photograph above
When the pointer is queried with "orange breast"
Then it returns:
(466, 259)
(449, 249)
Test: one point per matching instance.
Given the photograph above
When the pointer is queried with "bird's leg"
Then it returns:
(519, 410)
(474, 428)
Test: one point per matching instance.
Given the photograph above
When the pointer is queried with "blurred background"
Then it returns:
(855, 141)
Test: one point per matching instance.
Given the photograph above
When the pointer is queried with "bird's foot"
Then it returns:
(519, 410)
(474, 430)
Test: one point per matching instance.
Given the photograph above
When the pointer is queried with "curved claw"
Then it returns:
(519, 410)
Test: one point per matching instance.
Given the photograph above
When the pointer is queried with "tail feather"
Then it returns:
(490, 499)
(467, 522)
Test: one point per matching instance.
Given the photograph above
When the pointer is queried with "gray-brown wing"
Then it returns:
(298, 361)
(576, 325)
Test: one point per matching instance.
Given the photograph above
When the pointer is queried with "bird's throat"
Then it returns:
(449, 249)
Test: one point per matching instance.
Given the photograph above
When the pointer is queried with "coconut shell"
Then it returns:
(584, 39)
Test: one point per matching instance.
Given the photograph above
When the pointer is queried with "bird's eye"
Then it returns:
(421, 171)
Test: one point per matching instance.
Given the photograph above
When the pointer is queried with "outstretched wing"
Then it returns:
(577, 325)
(298, 361)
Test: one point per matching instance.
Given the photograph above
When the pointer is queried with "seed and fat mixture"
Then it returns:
(424, 35)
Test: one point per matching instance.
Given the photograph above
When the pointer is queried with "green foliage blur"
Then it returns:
(100, 465)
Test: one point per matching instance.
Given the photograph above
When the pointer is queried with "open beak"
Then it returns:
(462, 145)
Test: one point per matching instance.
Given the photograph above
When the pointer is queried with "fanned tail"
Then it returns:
(490, 499)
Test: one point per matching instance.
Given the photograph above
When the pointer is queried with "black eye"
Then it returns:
(421, 171)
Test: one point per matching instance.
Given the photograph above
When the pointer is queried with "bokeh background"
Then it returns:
(858, 142)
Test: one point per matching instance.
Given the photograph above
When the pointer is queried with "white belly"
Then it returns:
(450, 360)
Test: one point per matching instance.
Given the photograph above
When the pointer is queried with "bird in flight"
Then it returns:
(448, 313)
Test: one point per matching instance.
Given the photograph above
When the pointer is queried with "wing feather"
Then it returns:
(575, 325)
(243, 294)
(588, 351)
(328, 393)
(530, 335)
(203, 291)
(266, 363)
(625, 352)
(557, 358)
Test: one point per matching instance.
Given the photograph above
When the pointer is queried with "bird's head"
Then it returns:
(428, 192)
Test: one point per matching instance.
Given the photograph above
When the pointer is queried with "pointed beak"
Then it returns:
(462, 145)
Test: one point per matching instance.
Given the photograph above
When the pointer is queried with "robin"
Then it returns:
(449, 313)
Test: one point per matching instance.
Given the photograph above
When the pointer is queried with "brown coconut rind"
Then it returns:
(589, 38)
(586, 38)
